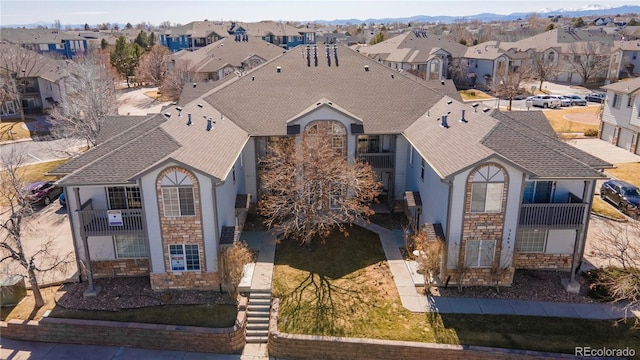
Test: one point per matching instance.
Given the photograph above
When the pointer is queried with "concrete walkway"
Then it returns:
(414, 302)
(604, 150)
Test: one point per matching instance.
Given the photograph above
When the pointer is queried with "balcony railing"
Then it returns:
(378, 160)
(96, 222)
(555, 216)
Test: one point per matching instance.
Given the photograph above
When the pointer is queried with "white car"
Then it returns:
(546, 101)
(565, 100)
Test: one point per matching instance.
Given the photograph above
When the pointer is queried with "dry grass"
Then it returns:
(629, 172)
(473, 94)
(561, 125)
(604, 208)
(157, 95)
(26, 309)
(35, 172)
(14, 130)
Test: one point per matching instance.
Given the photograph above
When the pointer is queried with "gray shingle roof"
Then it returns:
(36, 36)
(131, 130)
(120, 165)
(628, 86)
(411, 49)
(263, 100)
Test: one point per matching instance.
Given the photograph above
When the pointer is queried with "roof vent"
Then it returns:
(366, 68)
(189, 122)
(328, 49)
(449, 102)
(392, 76)
(462, 119)
(179, 110)
(315, 55)
(210, 123)
(253, 78)
(278, 69)
(475, 107)
(335, 52)
(486, 109)
(195, 84)
(442, 82)
(444, 121)
(200, 105)
(167, 114)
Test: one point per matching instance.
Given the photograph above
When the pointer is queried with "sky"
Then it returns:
(156, 11)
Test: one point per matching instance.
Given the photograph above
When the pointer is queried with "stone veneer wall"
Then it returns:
(229, 340)
(294, 346)
(483, 226)
(542, 261)
(182, 230)
(120, 267)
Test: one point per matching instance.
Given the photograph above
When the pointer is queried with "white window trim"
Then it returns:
(484, 210)
(176, 189)
(544, 244)
(184, 254)
(477, 262)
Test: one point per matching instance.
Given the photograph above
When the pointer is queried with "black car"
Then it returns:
(624, 195)
(596, 97)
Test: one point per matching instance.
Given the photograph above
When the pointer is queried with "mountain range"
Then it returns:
(589, 10)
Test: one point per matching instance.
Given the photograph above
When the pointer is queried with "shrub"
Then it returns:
(591, 132)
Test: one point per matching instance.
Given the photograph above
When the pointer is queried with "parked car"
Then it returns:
(624, 195)
(42, 192)
(546, 101)
(596, 97)
(577, 100)
(564, 101)
(63, 200)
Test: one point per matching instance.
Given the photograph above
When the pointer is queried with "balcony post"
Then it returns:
(91, 291)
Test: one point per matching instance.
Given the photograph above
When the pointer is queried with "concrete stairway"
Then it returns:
(258, 316)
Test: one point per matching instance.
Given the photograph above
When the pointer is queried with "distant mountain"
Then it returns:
(587, 11)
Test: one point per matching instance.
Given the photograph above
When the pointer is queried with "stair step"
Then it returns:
(257, 320)
(257, 340)
(260, 295)
(253, 307)
(254, 333)
(253, 301)
(257, 326)
(257, 314)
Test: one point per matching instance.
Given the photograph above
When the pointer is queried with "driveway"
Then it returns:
(135, 102)
(49, 224)
(604, 150)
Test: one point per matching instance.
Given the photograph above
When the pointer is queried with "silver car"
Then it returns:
(546, 101)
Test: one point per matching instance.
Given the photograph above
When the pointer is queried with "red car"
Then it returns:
(42, 192)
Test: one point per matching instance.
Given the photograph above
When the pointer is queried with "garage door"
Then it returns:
(625, 138)
(607, 132)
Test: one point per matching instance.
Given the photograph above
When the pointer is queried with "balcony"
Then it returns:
(378, 160)
(554, 216)
(96, 222)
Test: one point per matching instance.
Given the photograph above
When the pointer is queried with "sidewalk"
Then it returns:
(415, 302)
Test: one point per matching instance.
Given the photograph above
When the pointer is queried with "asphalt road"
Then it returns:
(39, 151)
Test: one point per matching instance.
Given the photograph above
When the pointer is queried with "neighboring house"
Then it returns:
(620, 123)
(625, 59)
(563, 46)
(423, 54)
(58, 43)
(199, 34)
(194, 35)
(489, 62)
(42, 85)
(226, 56)
(160, 195)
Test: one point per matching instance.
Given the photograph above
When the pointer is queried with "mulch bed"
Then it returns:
(131, 293)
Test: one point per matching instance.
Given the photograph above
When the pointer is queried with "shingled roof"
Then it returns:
(261, 101)
(409, 48)
(628, 86)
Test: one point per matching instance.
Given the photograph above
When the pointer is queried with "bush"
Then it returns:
(591, 132)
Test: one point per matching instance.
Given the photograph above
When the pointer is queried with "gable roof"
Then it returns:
(628, 86)
(36, 36)
(410, 48)
(263, 100)
(562, 39)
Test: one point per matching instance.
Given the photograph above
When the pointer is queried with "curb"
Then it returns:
(9, 142)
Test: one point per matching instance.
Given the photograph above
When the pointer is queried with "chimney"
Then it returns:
(463, 120)
(444, 121)
(189, 119)
(209, 124)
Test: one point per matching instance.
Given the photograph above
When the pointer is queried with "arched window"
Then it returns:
(486, 190)
(177, 195)
(334, 130)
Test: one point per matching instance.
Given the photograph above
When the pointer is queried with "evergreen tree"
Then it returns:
(124, 58)
(152, 39)
(142, 40)
(104, 44)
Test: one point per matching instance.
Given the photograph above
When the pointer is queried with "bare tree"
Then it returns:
(18, 67)
(310, 187)
(459, 70)
(619, 247)
(14, 222)
(234, 258)
(431, 252)
(589, 59)
(153, 66)
(544, 67)
(510, 83)
(175, 79)
(89, 98)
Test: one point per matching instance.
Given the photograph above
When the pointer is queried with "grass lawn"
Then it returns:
(562, 125)
(604, 208)
(214, 316)
(345, 288)
(35, 172)
(473, 94)
(12, 129)
(629, 172)
(156, 95)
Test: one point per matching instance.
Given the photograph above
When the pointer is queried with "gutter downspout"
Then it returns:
(145, 224)
(581, 238)
(91, 291)
(214, 199)
(73, 233)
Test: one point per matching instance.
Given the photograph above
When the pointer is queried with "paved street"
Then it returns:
(39, 151)
(135, 102)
